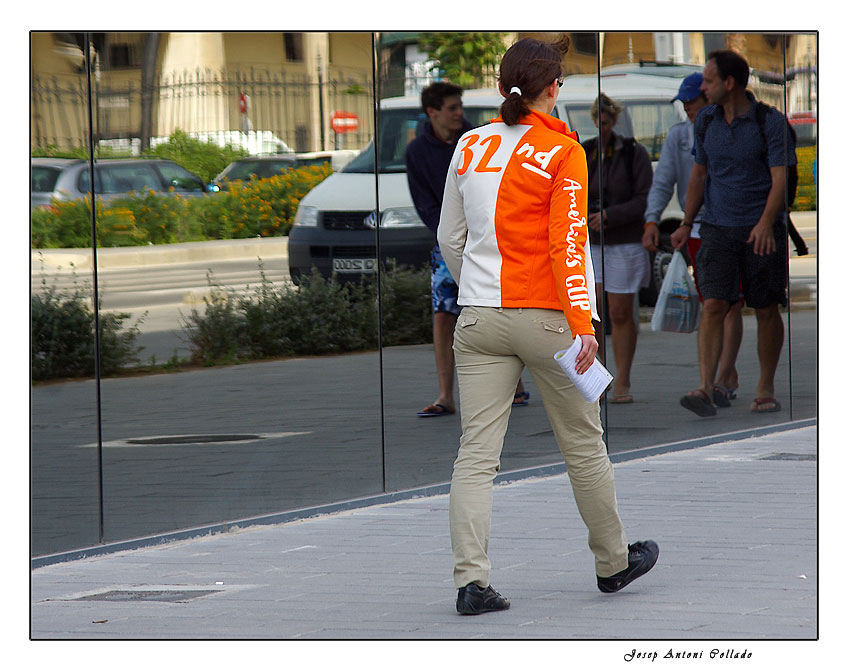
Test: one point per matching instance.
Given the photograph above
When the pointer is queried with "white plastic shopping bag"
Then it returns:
(678, 306)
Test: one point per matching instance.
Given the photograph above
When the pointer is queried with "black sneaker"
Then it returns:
(642, 557)
(473, 599)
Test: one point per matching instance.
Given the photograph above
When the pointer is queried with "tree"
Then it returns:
(470, 60)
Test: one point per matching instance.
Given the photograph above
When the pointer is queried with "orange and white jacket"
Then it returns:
(513, 225)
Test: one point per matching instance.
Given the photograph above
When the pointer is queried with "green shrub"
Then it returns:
(205, 159)
(64, 224)
(406, 305)
(62, 335)
(318, 317)
(245, 210)
(160, 219)
(54, 152)
(216, 336)
(117, 227)
(68, 224)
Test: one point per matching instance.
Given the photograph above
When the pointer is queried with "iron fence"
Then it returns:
(261, 110)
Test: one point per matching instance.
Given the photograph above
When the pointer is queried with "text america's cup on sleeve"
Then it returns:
(576, 284)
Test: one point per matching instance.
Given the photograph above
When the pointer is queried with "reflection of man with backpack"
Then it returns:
(674, 171)
(741, 152)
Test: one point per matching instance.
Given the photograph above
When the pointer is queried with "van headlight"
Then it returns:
(398, 218)
(306, 215)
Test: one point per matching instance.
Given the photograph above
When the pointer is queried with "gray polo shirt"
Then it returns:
(737, 160)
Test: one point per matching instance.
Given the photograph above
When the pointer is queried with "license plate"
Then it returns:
(355, 265)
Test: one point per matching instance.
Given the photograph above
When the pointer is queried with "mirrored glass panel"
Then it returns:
(64, 460)
(801, 95)
(422, 419)
(249, 383)
(258, 241)
(641, 74)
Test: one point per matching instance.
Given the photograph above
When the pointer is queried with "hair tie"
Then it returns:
(516, 90)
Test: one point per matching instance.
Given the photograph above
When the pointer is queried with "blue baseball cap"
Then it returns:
(689, 89)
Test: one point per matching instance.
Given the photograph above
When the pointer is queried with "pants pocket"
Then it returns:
(559, 325)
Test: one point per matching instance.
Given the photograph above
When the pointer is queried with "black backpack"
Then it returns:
(791, 181)
(791, 171)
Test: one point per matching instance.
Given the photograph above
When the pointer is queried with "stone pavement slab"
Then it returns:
(736, 523)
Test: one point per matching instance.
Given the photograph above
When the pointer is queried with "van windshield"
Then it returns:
(647, 121)
(398, 128)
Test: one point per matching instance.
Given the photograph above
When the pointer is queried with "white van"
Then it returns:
(335, 226)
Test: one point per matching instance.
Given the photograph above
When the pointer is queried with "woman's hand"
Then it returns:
(594, 222)
(587, 354)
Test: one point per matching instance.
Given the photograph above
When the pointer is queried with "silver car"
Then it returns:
(68, 179)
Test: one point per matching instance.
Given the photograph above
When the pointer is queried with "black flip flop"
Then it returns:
(435, 414)
(699, 403)
(722, 397)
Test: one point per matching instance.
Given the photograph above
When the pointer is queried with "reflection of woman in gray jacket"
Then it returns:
(618, 210)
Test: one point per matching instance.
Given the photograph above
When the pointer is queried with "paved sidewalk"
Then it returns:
(736, 523)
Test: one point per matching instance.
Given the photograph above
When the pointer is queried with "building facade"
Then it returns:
(277, 91)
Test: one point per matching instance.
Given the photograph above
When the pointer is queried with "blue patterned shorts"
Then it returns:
(443, 286)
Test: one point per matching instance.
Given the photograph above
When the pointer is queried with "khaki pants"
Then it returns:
(492, 345)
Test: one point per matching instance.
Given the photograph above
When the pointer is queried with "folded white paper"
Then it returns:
(591, 383)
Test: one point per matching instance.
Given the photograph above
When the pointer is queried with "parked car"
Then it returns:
(335, 226)
(68, 179)
(261, 167)
(254, 167)
(338, 158)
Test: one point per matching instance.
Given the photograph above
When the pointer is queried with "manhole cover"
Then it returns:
(793, 457)
(199, 438)
(194, 439)
(146, 596)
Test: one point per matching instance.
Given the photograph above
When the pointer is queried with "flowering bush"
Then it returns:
(158, 218)
(807, 198)
(245, 210)
(68, 224)
(258, 207)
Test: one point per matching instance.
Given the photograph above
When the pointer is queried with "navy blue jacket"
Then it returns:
(427, 159)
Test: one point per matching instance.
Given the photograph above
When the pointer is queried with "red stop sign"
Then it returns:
(344, 122)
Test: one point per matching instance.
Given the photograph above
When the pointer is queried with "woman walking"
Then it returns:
(513, 234)
(617, 211)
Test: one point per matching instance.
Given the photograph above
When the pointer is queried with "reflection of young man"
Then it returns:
(674, 170)
(427, 158)
(740, 175)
